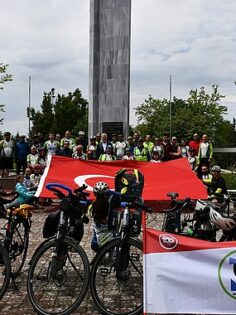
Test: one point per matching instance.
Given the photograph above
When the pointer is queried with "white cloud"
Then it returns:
(194, 41)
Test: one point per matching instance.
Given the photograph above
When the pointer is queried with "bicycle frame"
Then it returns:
(66, 210)
(11, 226)
(172, 220)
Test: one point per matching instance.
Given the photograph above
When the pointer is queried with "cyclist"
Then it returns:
(99, 211)
(206, 178)
(218, 185)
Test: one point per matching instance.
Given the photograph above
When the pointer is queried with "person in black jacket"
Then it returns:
(102, 146)
(218, 185)
(66, 150)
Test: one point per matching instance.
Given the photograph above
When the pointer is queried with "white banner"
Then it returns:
(185, 275)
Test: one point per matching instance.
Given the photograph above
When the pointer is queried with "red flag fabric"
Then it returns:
(160, 178)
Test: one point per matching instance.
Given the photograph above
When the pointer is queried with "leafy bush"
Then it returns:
(230, 180)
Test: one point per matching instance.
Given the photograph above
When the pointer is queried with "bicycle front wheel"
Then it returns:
(16, 242)
(5, 271)
(115, 291)
(57, 284)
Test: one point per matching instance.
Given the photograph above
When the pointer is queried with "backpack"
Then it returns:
(51, 223)
(129, 182)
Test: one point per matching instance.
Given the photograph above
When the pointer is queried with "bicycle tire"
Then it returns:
(5, 271)
(16, 243)
(110, 294)
(63, 291)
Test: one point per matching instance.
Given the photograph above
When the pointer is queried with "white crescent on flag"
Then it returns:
(81, 180)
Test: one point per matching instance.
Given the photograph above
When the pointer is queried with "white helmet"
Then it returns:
(216, 168)
(100, 188)
(226, 224)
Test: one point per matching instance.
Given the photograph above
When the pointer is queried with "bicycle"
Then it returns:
(116, 280)
(5, 271)
(16, 229)
(183, 219)
(58, 276)
(198, 222)
(226, 222)
(172, 221)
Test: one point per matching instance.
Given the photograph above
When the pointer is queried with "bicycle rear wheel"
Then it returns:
(57, 284)
(114, 294)
(5, 271)
(16, 242)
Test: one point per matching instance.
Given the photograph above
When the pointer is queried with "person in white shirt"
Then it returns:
(92, 148)
(6, 155)
(184, 149)
(156, 157)
(28, 182)
(69, 139)
(79, 154)
(128, 155)
(52, 146)
(158, 147)
(205, 151)
(120, 147)
(32, 158)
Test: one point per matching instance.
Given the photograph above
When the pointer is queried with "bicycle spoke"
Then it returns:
(118, 291)
(58, 282)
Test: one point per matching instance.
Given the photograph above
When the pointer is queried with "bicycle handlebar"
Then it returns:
(3, 194)
(125, 204)
(224, 196)
(52, 187)
(78, 191)
(178, 204)
(113, 192)
(81, 191)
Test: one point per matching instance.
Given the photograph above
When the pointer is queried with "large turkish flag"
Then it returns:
(160, 178)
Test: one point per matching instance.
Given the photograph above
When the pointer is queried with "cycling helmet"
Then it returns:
(225, 223)
(100, 188)
(216, 168)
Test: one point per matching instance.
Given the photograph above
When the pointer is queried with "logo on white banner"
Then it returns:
(227, 274)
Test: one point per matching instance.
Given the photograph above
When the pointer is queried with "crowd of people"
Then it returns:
(33, 154)
(30, 157)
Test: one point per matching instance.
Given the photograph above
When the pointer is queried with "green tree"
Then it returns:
(4, 77)
(60, 113)
(200, 112)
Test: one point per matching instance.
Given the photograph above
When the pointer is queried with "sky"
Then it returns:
(193, 41)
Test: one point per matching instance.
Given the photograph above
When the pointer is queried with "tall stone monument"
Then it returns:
(109, 66)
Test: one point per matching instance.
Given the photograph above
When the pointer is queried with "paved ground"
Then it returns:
(17, 302)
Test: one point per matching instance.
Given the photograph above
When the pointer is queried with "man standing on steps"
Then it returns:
(6, 155)
(22, 149)
(205, 152)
